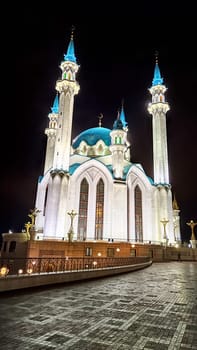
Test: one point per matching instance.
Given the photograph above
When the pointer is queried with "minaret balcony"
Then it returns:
(158, 107)
(67, 85)
(157, 89)
(117, 148)
(68, 64)
(50, 132)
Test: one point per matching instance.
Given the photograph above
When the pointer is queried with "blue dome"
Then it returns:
(92, 136)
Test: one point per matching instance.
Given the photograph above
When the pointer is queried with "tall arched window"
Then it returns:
(138, 215)
(83, 210)
(99, 210)
(45, 200)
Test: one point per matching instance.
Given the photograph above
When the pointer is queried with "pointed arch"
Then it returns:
(138, 215)
(99, 210)
(45, 200)
(83, 210)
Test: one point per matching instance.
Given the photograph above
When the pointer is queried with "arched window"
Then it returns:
(69, 76)
(12, 246)
(99, 210)
(45, 201)
(118, 140)
(83, 210)
(138, 215)
(100, 149)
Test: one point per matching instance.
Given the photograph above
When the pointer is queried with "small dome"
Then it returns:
(92, 136)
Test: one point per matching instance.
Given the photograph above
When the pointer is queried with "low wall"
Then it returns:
(14, 282)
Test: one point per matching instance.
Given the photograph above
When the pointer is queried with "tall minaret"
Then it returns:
(56, 204)
(158, 108)
(67, 88)
(51, 134)
(163, 195)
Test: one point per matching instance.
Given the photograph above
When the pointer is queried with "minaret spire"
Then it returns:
(70, 55)
(55, 107)
(157, 79)
(122, 117)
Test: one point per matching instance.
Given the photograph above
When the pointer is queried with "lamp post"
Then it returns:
(33, 213)
(72, 215)
(193, 241)
(164, 223)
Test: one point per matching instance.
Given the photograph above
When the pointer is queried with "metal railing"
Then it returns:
(21, 266)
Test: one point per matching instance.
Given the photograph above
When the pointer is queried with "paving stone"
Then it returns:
(154, 308)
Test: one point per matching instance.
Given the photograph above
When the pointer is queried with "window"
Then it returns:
(88, 251)
(118, 140)
(45, 200)
(110, 252)
(12, 246)
(5, 246)
(99, 210)
(83, 210)
(138, 215)
(133, 252)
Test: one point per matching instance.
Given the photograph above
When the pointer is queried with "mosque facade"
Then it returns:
(91, 183)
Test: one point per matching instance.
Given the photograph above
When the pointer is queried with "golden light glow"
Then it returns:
(4, 271)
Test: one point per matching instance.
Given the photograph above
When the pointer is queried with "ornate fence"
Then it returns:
(19, 266)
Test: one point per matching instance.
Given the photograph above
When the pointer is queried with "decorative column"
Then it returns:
(193, 240)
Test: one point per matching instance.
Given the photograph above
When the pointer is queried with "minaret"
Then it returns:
(67, 88)
(56, 204)
(119, 145)
(51, 134)
(158, 108)
(163, 196)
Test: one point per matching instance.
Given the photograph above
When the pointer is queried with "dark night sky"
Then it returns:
(115, 51)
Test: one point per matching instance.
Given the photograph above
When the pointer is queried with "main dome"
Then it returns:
(92, 136)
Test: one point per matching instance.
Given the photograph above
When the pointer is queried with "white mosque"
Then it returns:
(94, 177)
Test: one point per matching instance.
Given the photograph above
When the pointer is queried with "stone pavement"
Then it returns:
(154, 308)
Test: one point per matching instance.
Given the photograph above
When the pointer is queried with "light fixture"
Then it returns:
(4, 271)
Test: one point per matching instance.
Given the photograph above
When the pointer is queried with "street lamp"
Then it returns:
(72, 215)
(192, 224)
(164, 223)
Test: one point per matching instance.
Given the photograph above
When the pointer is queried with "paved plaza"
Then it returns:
(154, 308)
